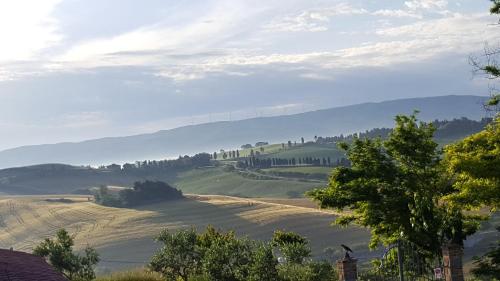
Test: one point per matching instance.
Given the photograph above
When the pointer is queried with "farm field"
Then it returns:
(216, 180)
(124, 237)
(301, 170)
(296, 151)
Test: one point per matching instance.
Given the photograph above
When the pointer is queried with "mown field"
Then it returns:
(124, 237)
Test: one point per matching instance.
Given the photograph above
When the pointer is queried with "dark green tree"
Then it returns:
(293, 247)
(59, 252)
(394, 187)
(178, 258)
(224, 257)
(264, 265)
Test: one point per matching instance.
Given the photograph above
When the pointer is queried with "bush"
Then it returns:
(142, 193)
(221, 256)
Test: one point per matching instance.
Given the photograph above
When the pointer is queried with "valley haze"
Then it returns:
(209, 137)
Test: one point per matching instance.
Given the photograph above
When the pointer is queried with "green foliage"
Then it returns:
(142, 193)
(292, 246)
(495, 8)
(215, 255)
(264, 265)
(227, 258)
(394, 187)
(177, 257)
(475, 162)
(149, 192)
(60, 255)
(313, 271)
(221, 256)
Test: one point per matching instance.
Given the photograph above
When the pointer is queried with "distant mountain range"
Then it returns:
(231, 134)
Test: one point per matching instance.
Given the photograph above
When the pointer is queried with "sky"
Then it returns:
(72, 70)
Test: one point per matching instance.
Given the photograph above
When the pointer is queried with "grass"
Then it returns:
(271, 148)
(301, 170)
(132, 275)
(217, 180)
(309, 150)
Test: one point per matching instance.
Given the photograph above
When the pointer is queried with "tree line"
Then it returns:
(182, 162)
(264, 163)
(443, 129)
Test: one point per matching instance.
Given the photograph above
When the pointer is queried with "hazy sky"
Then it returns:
(79, 69)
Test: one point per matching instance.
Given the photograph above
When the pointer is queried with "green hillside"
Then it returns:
(217, 180)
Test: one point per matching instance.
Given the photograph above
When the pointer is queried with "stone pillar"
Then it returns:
(347, 269)
(452, 261)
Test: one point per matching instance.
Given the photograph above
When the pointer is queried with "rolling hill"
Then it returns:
(213, 136)
(124, 237)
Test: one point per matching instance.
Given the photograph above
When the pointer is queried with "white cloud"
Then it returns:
(426, 4)
(423, 40)
(148, 45)
(312, 20)
(397, 13)
(26, 29)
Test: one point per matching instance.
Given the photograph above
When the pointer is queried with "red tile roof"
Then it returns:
(19, 266)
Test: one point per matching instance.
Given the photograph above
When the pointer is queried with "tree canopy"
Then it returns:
(222, 256)
(59, 252)
(475, 164)
(394, 187)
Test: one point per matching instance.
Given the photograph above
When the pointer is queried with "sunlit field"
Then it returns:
(123, 237)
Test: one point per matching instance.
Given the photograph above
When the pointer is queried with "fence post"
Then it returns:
(401, 261)
(452, 261)
(347, 269)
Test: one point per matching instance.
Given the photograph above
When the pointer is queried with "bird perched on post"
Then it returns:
(347, 251)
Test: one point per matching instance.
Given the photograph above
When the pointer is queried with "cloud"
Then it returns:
(397, 13)
(149, 45)
(27, 29)
(422, 40)
(312, 20)
(426, 4)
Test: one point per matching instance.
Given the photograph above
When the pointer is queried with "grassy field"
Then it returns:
(309, 150)
(218, 181)
(272, 148)
(123, 237)
(301, 170)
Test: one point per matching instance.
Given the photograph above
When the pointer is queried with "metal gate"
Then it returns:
(403, 261)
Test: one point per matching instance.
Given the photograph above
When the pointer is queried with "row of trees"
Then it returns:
(183, 162)
(141, 193)
(264, 163)
(443, 129)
